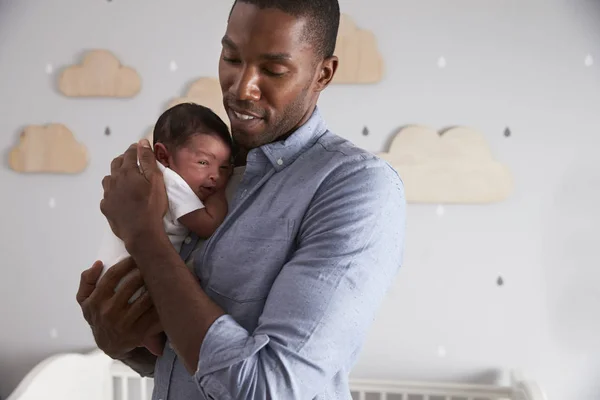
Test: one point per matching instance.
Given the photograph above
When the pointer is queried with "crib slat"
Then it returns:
(144, 389)
(124, 388)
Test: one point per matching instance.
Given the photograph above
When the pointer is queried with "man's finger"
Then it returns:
(140, 306)
(130, 158)
(147, 159)
(106, 183)
(149, 323)
(116, 164)
(103, 207)
(132, 282)
(155, 327)
(114, 275)
(87, 282)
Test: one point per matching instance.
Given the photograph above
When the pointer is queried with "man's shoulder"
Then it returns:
(346, 159)
(335, 144)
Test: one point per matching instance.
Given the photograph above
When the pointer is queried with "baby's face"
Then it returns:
(204, 163)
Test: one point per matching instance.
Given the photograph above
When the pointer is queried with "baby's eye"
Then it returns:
(203, 162)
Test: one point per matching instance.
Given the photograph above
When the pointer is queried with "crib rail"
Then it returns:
(128, 385)
(94, 376)
(386, 390)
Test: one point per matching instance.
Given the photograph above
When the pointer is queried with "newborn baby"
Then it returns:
(193, 149)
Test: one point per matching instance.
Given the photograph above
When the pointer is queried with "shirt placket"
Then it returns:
(256, 174)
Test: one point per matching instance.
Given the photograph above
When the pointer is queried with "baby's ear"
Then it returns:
(161, 153)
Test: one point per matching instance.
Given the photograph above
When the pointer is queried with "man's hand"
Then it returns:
(135, 199)
(118, 327)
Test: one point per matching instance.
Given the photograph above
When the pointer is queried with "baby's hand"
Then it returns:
(217, 197)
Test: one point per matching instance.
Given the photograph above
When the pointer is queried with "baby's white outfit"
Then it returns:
(182, 201)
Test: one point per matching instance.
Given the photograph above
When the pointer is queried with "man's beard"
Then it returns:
(274, 130)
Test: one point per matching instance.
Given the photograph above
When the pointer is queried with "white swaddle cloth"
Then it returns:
(182, 201)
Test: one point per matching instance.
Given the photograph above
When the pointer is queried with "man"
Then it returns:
(288, 286)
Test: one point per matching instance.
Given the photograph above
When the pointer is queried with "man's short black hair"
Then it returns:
(323, 19)
(181, 122)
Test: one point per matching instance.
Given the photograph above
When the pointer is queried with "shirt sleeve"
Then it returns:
(322, 303)
(182, 199)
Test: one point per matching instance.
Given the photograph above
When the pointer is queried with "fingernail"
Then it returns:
(145, 143)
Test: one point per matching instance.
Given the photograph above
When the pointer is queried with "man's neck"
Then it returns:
(242, 154)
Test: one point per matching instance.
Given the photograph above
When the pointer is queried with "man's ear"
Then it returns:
(162, 154)
(327, 71)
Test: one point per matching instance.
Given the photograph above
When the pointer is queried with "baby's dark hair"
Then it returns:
(181, 122)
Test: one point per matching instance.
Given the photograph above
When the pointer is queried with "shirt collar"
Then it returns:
(283, 153)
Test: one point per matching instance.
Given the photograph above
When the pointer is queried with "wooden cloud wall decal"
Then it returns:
(454, 167)
(360, 59)
(48, 149)
(100, 75)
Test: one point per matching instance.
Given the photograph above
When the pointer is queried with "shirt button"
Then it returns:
(280, 162)
(188, 240)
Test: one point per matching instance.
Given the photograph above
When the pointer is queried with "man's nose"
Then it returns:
(247, 85)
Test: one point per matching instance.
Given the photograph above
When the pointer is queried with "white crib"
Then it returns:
(94, 376)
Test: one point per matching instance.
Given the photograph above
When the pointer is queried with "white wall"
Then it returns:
(516, 63)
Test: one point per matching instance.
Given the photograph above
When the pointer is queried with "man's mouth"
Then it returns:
(244, 117)
(245, 122)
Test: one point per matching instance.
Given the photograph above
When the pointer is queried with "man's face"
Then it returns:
(270, 74)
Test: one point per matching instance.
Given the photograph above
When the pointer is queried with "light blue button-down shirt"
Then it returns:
(312, 242)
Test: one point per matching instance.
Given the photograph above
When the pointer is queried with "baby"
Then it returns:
(193, 149)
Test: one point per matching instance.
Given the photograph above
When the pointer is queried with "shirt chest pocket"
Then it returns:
(246, 259)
